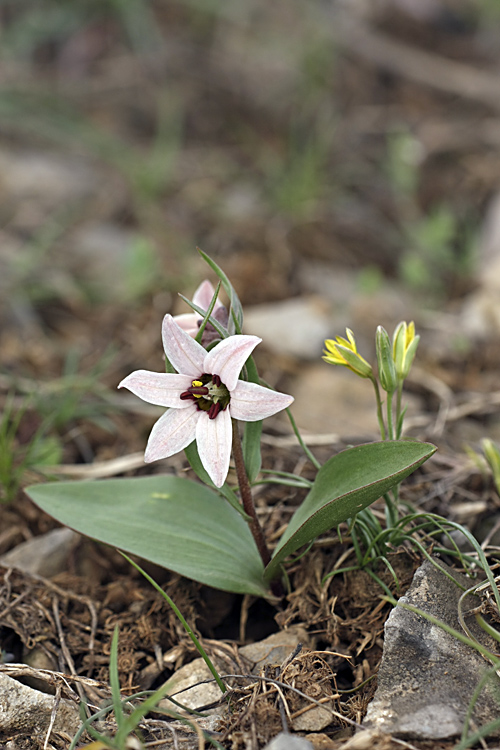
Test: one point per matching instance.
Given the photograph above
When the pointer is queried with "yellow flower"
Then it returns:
(404, 348)
(344, 352)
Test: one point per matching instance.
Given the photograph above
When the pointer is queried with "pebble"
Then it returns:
(45, 555)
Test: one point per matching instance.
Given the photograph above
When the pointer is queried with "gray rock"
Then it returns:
(333, 400)
(427, 677)
(296, 327)
(44, 555)
(27, 711)
(285, 741)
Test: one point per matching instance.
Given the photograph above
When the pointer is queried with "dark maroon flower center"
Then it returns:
(209, 393)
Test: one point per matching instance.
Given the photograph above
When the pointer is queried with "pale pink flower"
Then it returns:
(190, 322)
(202, 398)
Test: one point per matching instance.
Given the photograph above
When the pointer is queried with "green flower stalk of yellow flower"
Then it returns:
(404, 348)
(344, 352)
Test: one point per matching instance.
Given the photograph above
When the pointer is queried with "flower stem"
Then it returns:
(246, 497)
(380, 415)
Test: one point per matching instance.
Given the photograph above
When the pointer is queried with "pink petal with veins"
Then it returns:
(228, 357)
(251, 402)
(214, 440)
(173, 432)
(159, 388)
(185, 354)
(204, 295)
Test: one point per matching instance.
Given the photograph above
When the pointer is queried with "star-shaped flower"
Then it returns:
(202, 398)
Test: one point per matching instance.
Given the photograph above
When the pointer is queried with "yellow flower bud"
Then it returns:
(404, 348)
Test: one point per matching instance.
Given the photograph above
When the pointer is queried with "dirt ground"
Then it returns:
(361, 139)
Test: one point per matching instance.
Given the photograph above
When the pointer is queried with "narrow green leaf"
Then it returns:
(236, 310)
(171, 521)
(203, 313)
(208, 313)
(345, 484)
(251, 449)
(252, 432)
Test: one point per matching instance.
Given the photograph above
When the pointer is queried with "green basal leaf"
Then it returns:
(345, 484)
(193, 457)
(171, 521)
(236, 310)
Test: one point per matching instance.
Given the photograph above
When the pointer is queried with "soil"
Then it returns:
(60, 320)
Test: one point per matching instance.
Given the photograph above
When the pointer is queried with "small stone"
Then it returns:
(275, 648)
(45, 555)
(314, 720)
(285, 741)
(193, 686)
(27, 711)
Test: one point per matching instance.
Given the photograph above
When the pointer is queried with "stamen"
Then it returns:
(214, 410)
(216, 380)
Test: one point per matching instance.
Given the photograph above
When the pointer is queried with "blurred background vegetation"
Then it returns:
(295, 142)
(134, 130)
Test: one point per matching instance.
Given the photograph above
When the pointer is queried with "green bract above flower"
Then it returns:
(344, 352)
(190, 322)
(202, 397)
(404, 348)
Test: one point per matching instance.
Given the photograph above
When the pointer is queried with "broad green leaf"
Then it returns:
(193, 457)
(345, 484)
(171, 521)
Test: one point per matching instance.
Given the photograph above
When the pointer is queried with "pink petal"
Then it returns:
(214, 439)
(188, 322)
(173, 432)
(228, 357)
(204, 295)
(158, 388)
(184, 352)
(251, 402)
